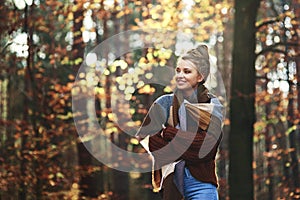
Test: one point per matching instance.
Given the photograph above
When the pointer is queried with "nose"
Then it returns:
(179, 74)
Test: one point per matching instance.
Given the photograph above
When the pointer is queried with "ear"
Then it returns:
(200, 78)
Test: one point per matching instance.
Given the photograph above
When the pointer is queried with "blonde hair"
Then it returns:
(200, 58)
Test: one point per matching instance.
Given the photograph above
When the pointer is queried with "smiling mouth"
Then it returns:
(180, 81)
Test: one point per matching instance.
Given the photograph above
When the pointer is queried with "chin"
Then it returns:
(181, 87)
(184, 88)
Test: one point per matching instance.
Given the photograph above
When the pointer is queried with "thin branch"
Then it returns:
(273, 49)
(270, 49)
(5, 47)
(267, 23)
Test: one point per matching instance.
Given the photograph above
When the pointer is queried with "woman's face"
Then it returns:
(187, 77)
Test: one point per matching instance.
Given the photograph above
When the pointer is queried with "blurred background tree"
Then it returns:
(242, 111)
(44, 43)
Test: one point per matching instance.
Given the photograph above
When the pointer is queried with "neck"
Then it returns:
(188, 93)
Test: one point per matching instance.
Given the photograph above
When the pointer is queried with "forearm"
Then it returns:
(162, 150)
(172, 144)
(195, 147)
(156, 142)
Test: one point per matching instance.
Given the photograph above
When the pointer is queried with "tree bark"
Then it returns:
(242, 111)
(84, 157)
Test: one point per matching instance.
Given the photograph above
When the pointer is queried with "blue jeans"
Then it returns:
(197, 190)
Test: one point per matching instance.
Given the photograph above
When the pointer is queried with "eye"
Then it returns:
(186, 71)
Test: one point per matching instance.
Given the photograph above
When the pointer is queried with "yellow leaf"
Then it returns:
(74, 8)
(167, 89)
(149, 75)
(70, 16)
(134, 141)
(149, 56)
(120, 14)
(52, 183)
(71, 77)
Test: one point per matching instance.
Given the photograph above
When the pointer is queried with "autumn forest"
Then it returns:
(77, 78)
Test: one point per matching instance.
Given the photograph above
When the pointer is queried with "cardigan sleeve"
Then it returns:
(185, 145)
(162, 150)
(201, 148)
(156, 117)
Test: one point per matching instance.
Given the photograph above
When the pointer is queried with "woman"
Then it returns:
(182, 132)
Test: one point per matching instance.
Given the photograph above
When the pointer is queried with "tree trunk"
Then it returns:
(294, 136)
(29, 106)
(291, 113)
(223, 52)
(84, 157)
(242, 112)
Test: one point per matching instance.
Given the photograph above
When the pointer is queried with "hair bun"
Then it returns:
(203, 50)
